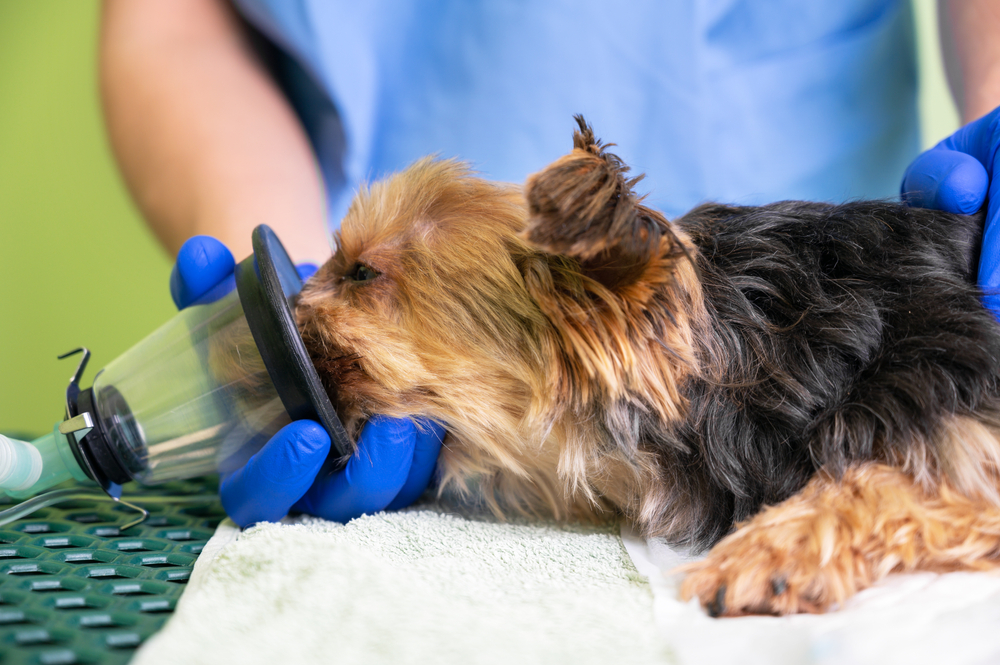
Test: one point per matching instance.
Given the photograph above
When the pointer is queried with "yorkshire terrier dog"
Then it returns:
(811, 388)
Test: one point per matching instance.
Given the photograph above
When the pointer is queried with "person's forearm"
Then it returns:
(206, 142)
(970, 34)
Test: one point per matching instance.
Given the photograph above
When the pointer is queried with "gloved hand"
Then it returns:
(956, 175)
(391, 468)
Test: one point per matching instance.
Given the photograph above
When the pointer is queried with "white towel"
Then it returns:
(418, 586)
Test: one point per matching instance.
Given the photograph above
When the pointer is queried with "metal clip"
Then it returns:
(73, 390)
(80, 425)
(139, 520)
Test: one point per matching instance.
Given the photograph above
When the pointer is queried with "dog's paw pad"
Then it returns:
(717, 607)
(736, 581)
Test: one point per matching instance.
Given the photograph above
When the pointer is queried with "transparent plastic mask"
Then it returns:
(190, 399)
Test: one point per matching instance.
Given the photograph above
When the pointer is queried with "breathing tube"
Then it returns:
(199, 395)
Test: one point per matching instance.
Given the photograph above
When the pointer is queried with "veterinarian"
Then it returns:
(274, 111)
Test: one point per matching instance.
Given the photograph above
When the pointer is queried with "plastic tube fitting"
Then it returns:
(20, 464)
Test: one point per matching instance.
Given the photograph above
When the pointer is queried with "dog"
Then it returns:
(809, 389)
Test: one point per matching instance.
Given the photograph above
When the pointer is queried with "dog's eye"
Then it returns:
(361, 273)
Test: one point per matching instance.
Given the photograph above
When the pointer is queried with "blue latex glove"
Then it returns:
(956, 175)
(391, 468)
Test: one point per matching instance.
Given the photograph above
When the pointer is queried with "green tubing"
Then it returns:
(29, 468)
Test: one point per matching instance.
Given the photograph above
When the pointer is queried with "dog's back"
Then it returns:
(838, 383)
(849, 332)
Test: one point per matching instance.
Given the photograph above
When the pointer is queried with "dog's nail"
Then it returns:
(779, 586)
(718, 606)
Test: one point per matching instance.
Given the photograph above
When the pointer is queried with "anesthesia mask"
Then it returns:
(200, 395)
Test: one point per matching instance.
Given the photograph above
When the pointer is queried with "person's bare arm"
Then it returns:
(970, 36)
(206, 142)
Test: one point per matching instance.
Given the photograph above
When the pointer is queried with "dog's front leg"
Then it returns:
(838, 536)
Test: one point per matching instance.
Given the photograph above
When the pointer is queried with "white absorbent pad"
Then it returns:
(419, 586)
(916, 619)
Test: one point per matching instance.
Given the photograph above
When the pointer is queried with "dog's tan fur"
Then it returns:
(532, 343)
(841, 535)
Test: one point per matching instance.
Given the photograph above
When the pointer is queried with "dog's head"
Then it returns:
(528, 323)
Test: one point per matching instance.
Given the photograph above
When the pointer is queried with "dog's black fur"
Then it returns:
(842, 333)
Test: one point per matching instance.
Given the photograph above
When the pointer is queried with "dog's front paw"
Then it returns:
(797, 556)
(740, 577)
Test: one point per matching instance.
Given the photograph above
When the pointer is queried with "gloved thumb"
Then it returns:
(948, 180)
(202, 263)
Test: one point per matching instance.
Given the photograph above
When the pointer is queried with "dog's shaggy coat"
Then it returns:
(589, 358)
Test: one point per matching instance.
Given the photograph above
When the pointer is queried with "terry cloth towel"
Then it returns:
(419, 586)
(424, 586)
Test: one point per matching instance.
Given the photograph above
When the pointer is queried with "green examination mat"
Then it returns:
(74, 589)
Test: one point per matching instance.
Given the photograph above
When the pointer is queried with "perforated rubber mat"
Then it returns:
(74, 589)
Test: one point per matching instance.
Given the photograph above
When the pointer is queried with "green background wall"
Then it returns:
(77, 266)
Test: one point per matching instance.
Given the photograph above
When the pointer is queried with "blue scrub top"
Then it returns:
(742, 101)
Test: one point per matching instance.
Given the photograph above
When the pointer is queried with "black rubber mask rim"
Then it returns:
(265, 282)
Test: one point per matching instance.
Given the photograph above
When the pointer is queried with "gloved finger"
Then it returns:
(202, 263)
(267, 486)
(989, 255)
(425, 455)
(981, 139)
(944, 179)
(373, 476)
(306, 270)
(976, 139)
(217, 292)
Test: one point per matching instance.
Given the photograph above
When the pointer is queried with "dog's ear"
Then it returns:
(612, 276)
(584, 207)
